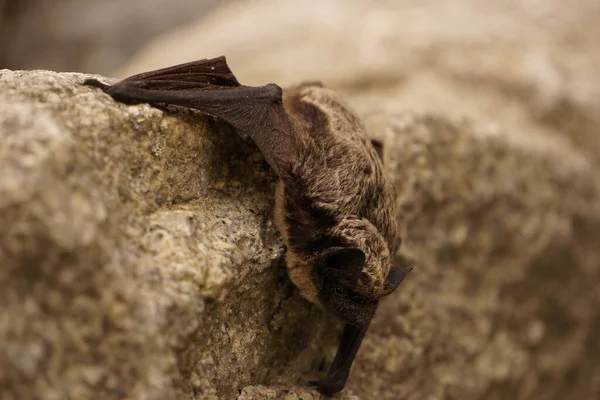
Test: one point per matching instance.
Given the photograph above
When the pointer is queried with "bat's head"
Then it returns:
(347, 271)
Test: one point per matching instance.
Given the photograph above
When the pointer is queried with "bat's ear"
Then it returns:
(397, 244)
(345, 264)
(378, 146)
(394, 278)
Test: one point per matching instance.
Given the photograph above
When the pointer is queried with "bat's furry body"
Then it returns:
(337, 192)
(334, 206)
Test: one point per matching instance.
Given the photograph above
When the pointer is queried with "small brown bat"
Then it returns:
(334, 206)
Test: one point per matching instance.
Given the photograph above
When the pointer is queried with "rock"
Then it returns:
(501, 228)
(127, 235)
(138, 260)
(94, 35)
(528, 67)
(285, 393)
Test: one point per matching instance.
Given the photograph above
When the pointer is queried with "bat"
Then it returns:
(334, 206)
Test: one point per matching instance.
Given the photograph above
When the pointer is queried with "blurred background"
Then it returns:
(519, 65)
(85, 36)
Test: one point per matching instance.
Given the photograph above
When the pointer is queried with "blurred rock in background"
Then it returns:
(524, 66)
(92, 35)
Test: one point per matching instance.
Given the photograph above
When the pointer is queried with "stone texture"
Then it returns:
(138, 260)
(128, 235)
(500, 229)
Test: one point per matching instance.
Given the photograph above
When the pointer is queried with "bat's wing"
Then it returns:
(201, 74)
(209, 86)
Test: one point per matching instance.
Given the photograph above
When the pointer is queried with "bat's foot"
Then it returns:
(96, 83)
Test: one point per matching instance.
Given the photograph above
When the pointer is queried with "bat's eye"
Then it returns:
(340, 290)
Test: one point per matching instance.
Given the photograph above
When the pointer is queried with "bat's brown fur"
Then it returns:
(342, 178)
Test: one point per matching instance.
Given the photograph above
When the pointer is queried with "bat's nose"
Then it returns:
(357, 316)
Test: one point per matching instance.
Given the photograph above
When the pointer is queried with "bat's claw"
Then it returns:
(95, 83)
(328, 387)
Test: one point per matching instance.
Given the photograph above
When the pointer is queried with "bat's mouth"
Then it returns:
(358, 316)
(349, 306)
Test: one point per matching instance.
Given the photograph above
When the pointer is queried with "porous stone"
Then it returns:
(138, 260)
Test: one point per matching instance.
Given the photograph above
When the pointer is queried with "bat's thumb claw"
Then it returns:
(95, 83)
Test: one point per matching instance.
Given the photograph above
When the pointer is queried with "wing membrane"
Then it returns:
(209, 86)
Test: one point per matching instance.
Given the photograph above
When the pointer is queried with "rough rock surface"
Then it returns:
(530, 67)
(137, 260)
